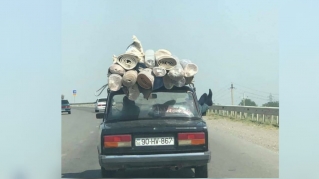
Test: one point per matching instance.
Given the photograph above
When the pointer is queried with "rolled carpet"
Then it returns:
(168, 83)
(129, 78)
(190, 68)
(115, 82)
(177, 73)
(137, 49)
(180, 82)
(159, 71)
(116, 69)
(145, 78)
(133, 92)
(165, 59)
(128, 61)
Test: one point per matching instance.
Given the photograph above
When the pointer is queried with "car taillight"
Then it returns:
(114, 141)
(197, 138)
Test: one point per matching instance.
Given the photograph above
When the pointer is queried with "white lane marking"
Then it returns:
(97, 126)
(92, 132)
(81, 141)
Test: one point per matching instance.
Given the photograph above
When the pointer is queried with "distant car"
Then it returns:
(65, 106)
(100, 104)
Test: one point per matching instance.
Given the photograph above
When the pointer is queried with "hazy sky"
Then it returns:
(230, 41)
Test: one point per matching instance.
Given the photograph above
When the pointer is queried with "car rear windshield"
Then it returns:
(65, 102)
(102, 100)
(159, 105)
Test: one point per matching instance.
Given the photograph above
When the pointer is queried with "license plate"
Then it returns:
(154, 141)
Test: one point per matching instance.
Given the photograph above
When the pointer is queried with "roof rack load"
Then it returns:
(136, 71)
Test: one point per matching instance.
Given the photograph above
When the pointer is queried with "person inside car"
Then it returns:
(130, 109)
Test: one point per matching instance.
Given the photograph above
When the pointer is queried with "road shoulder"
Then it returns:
(265, 136)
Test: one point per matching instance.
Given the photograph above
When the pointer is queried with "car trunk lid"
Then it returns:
(155, 135)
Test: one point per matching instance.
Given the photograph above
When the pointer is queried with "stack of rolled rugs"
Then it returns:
(142, 72)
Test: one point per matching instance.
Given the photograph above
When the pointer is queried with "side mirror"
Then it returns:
(99, 115)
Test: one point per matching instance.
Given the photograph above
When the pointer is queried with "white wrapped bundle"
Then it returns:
(150, 58)
(129, 78)
(168, 82)
(116, 69)
(159, 71)
(115, 82)
(133, 92)
(165, 59)
(145, 78)
(177, 73)
(179, 83)
(190, 68)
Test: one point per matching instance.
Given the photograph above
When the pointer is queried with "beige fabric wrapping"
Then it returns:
(136, 49)
(133, 92)
(168, 82)
(165, 59)
(190, 68)
(128, 61)
(146, 92)
(145, 78)
(133, 55)
(129, 78)
(115, 82)
(116, 69)
(150, 58)
(159, 71)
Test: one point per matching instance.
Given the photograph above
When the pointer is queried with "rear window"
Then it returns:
(102, 100)
(165, 105)
(65, 102)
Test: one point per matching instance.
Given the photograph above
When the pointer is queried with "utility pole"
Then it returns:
(232, 97)
(270, 98)
(244, 99)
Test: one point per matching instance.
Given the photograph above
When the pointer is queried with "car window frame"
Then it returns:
(183, 89)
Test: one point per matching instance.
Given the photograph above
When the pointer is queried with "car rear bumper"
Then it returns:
(65, 110)
(100, 108)
(155, 161)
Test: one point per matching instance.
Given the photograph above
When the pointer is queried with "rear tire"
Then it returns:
(201, 172)
(96, 110)
(69, 112)
(107, 173)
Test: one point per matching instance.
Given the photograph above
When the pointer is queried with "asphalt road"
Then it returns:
(232, 157)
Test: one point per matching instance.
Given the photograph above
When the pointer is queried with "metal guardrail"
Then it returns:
(244, 111)
(249, 109)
